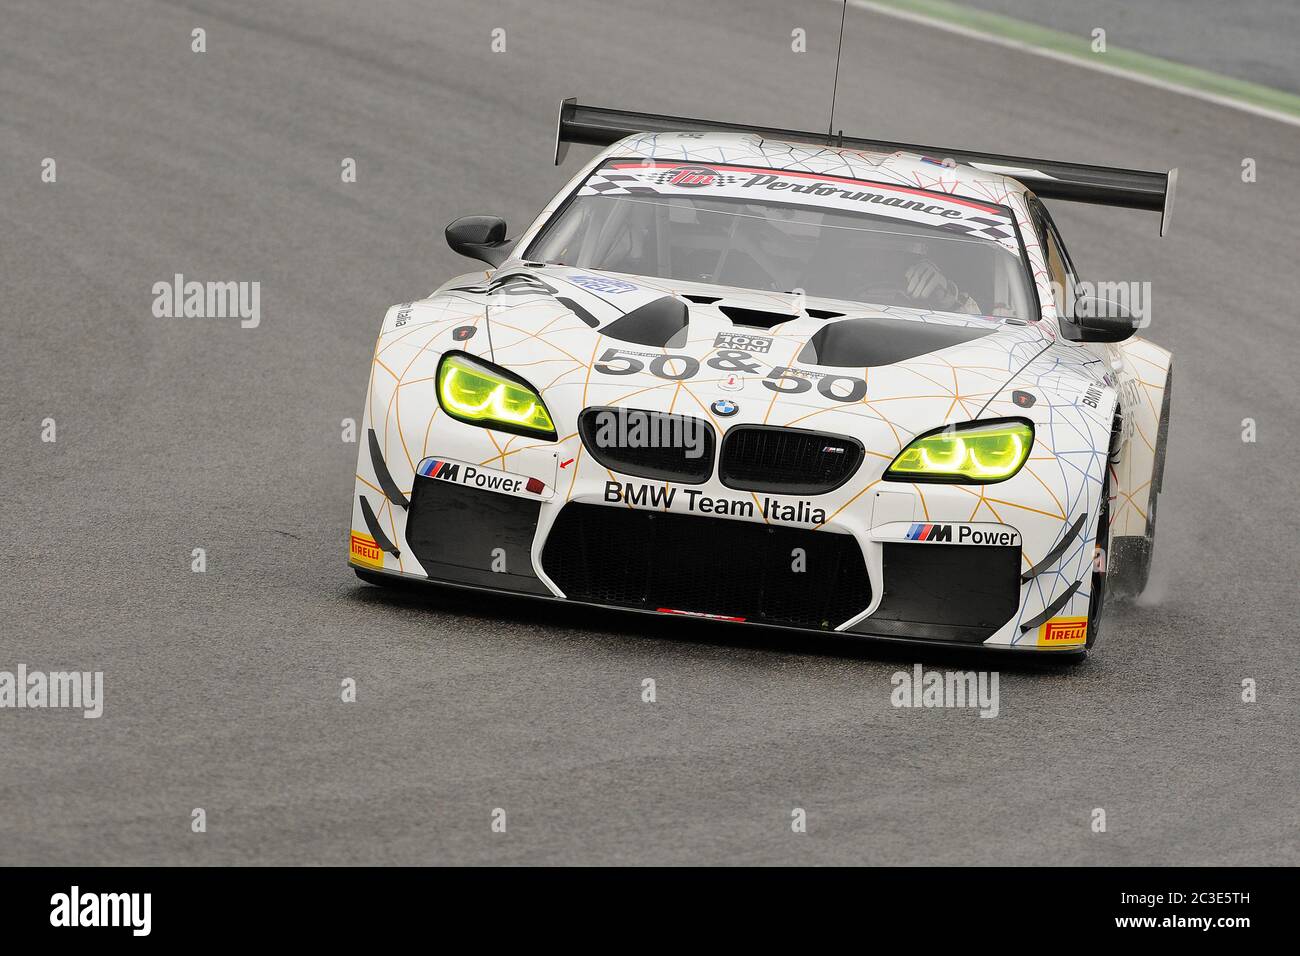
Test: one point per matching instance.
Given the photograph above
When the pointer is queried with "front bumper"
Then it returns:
(872, 572)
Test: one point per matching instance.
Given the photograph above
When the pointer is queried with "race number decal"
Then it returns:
(679, 368)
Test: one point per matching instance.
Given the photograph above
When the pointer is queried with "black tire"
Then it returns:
(1131, 556)
(1130, 559)
(1097, 600)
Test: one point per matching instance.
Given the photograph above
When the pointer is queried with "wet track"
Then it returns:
(222, 688)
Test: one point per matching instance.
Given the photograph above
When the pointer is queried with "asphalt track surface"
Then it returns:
(1246, 39)
(222, 688)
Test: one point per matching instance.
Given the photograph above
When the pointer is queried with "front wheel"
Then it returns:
(1100, 559)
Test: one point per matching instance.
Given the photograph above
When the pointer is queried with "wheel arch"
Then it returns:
(1137, 464)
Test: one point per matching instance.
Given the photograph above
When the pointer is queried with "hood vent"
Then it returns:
(578, 310)
(755, 318)
(868, 342)
(658, 323)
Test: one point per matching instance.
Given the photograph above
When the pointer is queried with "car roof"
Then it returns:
(750, 149)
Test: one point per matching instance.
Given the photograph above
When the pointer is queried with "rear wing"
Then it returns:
(1049, 179)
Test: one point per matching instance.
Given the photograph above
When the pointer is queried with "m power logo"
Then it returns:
(963, 534)
(930, 532)
(446, 470)
(483, 478)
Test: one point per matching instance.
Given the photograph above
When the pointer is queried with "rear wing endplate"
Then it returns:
(1049, 179)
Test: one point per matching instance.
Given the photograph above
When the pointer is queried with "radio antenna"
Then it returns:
(830, 129)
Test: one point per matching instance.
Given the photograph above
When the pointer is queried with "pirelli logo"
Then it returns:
(364, 550)
(1063, 632)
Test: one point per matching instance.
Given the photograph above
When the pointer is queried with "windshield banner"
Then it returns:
(963, 217)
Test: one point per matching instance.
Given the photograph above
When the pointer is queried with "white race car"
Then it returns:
(752, 375)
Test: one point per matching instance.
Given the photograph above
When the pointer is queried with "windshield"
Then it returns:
(785, 231)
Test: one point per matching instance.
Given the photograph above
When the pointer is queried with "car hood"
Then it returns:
(586, 339)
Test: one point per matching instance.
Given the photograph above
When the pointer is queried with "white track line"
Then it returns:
(1216, 98)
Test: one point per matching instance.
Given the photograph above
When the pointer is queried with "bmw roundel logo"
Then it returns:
(725, 407)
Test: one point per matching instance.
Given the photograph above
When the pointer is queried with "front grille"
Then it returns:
(649, 444)
(655, 560)
(793, 461)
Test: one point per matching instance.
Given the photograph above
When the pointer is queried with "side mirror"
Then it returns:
(1098, 320)
(480, 237)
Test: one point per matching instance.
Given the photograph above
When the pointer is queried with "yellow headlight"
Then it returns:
(474, 392)
(974, 453)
